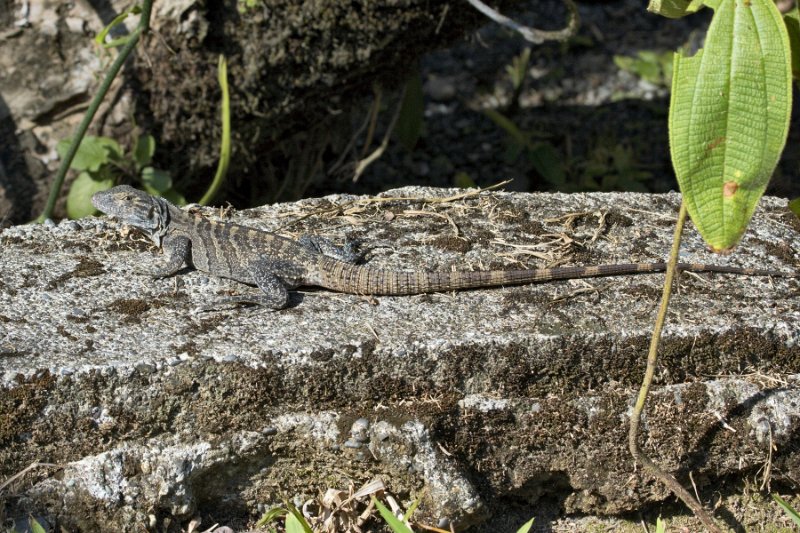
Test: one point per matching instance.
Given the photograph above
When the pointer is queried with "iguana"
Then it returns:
(276, 264)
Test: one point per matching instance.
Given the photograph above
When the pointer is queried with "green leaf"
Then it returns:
(412, 509)
(794, 206)
(174, 197)
(462, 180)
(679, 8)
(651, 66)
(648, 67)
(624, 63)
(526, 526)
(729, 117)
(394, 523)
(93, 152)
(293, 525)
(35, 526)
(79, 198)
(111, 146)
(144, 149)
(296, 520)
(100, 38)
(510, 128)
(269, 516)
(547, 162)
(518, 69)
(409, 122)
(672, 9)
(788, 509)
(661, 526)
(156, 179)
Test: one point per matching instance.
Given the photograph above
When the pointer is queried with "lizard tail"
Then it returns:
(360, 279)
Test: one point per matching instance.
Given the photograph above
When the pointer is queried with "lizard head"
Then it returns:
(136, 208)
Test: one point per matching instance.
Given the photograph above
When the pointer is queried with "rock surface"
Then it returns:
(476, 401)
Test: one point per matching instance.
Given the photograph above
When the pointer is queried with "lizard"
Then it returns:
(276, 264)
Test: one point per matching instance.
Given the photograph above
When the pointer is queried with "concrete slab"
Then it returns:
(160, 412)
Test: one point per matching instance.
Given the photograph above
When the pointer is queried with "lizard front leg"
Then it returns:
(178, 250)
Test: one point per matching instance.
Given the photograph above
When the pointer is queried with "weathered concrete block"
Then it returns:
(161, 412)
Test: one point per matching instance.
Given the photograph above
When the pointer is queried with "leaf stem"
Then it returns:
(652, 358)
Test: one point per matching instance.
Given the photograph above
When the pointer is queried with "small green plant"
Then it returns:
(794, 206)
(612, 168)
(294, 521)
(529, 147)
(788, 509)
(398, 525)
(243, 5)
(348, 505)
(649, 65)
(526, 526)
(100, 161)
(463, 180)
(518, 71)
(130, 43)
(33, 527)
(101, 164)
(518, 68)
(395, 524)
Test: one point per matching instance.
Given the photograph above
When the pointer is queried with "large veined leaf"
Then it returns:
(729, 117)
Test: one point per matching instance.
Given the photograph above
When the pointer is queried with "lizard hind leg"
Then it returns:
(274, 294)
(347, 253)
(274, 278)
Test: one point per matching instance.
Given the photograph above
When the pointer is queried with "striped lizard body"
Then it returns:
(276, 264)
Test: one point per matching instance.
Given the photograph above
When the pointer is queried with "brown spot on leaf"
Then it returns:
(713, 144)
(729, 189)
